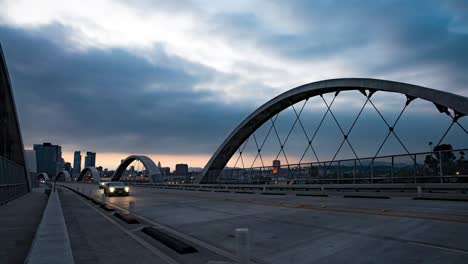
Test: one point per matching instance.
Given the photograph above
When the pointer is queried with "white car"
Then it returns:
(116, 188)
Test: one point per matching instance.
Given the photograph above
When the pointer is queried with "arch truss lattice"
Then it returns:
(454, 106)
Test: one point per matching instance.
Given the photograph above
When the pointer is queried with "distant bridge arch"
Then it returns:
(153, 171)
(65, 175)
(92, 171)
(442, 100)
(44, 176)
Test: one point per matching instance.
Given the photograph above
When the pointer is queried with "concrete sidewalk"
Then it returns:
(19, 220)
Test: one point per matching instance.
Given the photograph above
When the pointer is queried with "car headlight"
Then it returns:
(111, 189)
(127, 189)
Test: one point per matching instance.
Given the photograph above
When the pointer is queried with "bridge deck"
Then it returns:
(291, 229)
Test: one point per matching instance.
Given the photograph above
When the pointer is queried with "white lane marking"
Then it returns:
(438, 247)
(156, 251)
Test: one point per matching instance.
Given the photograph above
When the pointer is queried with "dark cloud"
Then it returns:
(379, 38)
(112, 100)
(115, 100)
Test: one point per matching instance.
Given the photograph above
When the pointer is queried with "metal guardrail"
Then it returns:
(411, 188)
(12, 180)
(425, 167)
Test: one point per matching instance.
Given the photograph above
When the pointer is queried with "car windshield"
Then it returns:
(116, 184)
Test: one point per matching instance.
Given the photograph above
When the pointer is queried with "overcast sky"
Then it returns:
(171, 79)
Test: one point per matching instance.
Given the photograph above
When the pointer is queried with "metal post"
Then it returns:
(391, 172)
(243, 245)
(324, 172)
(131, 207)
(354, 172)
(415, 165)
(440, 167)
(338, 174)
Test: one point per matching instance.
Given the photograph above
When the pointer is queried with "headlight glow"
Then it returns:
(127, 189)
(111, 189)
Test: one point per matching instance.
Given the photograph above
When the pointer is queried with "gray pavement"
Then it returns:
(19, 220)
(96, 240)
(292, 229)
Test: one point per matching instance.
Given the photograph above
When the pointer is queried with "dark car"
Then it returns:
(116, 188)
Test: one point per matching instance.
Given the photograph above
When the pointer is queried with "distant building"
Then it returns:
(195, 169)
(90, 159)
(76, 164)
(131, 171)
(68, 167)
(60, 164)
(100, 169)
(181, 169)
(48, 158)
(166, 171)
(109, 173)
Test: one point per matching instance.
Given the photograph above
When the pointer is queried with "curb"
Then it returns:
(51, 243)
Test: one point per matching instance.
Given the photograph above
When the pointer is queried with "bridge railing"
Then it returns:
(448, 166)
(12, 180)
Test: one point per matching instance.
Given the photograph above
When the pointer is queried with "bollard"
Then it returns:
(243, 245)
(322, 189)
(419, 188)
(131, 207)
(103, 198)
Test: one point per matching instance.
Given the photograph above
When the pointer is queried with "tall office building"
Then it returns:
(90, 159)
(181, 169)
(76, 164)
(48, 158)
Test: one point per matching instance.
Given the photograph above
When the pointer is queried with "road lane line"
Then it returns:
(437, 247)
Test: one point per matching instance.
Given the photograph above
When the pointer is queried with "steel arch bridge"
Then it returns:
(90, 171)
(153, 171)
(65, 175)
(455, 106)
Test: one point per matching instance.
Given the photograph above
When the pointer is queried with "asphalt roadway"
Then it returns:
(297, 229)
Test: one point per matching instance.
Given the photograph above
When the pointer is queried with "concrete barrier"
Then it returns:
(51, 243)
